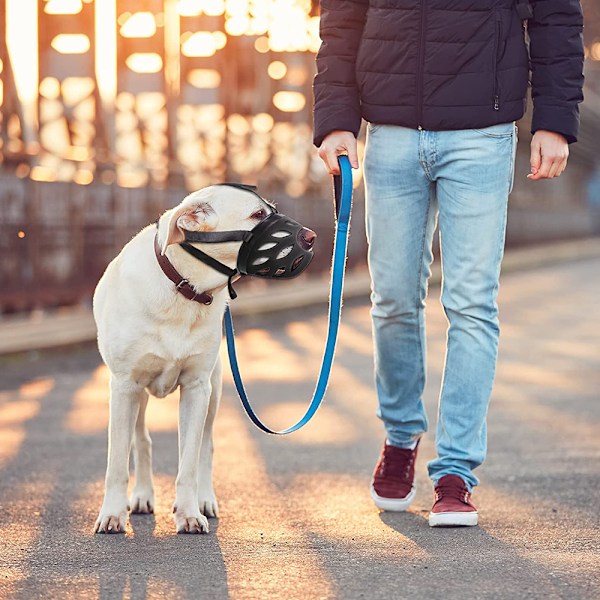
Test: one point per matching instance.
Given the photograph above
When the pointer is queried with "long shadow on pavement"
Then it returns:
(470, 562)
(50, 492)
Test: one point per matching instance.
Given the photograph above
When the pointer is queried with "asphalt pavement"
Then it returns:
(296, 518)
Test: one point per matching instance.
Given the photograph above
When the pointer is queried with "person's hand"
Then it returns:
(335, 144)
(549, 154)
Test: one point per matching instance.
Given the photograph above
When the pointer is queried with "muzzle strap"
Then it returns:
(218, 236)
(213, 263)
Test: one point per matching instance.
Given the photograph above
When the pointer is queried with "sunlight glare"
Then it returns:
(220, 39)
(204, 78)
(22, 42)
(106, 50)
(41, 173)
(63, 7)
(213, 8)
(71, 43)
(76, 89)
(262, 123)
(189, 8)
(199, 44)
(238, 25)
(139, 25)
(144, 62)
(289, 101)
(83, 177)
(277, 70)
(238, 124)
(50, 88)
(262, 44)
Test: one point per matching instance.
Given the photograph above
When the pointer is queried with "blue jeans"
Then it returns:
(411, 176)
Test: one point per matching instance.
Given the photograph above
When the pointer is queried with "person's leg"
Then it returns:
(474, 174)
(401, 213)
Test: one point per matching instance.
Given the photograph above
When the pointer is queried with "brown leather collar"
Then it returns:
(182, 285)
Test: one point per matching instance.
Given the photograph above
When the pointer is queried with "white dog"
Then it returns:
(153, 339)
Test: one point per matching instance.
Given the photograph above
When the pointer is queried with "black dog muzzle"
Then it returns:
(277, 247)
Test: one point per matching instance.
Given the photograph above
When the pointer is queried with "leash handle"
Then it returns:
(343, 206)
(340, 187)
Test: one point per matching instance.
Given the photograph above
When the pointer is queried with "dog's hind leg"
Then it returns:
(206, 493)
(125, 397)
(142, 497)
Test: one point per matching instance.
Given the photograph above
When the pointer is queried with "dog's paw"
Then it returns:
(107, 523)
(208, 505)
(188, 522)
(142, 501)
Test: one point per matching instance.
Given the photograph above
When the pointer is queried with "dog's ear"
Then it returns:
(199, 216)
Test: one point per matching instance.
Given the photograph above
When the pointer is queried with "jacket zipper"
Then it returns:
(420, 67)
(497, 59)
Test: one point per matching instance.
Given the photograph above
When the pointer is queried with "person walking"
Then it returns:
(441, 85)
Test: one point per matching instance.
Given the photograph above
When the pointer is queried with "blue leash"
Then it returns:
(343, 200)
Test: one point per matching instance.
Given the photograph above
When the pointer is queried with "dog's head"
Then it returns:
(215, 208)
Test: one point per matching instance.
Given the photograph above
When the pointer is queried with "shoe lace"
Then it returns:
(396, 462)
(452, 490)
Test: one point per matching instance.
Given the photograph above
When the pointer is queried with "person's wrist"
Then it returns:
(552, 133)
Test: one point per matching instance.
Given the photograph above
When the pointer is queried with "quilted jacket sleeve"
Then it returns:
(337, 104)
(556, 52)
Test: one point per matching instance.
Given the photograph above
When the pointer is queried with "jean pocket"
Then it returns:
(503, 130)
(373, 127)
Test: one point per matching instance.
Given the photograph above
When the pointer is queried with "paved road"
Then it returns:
(296, 520)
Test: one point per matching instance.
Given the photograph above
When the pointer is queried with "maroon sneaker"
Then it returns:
(452, 504)
(393, 485)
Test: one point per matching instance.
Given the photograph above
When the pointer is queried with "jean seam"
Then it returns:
(513, 158)
(418, 291)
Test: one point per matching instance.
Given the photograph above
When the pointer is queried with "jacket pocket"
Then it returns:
(497, 54)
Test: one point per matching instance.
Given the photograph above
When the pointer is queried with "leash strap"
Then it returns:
(343, 201)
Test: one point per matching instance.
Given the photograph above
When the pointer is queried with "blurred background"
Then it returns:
(112, 110)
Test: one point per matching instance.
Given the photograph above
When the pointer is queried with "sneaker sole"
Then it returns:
(393, 504)
(453, 519)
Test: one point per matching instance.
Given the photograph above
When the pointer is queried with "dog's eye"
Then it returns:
(259, 215)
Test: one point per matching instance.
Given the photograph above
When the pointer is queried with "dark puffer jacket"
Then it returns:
(447, 64)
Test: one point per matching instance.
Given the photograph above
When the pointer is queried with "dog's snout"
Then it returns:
(307, 238)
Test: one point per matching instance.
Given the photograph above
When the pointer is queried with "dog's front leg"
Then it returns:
(125, 398)
(206, 493)
(142, 497)
(193, 409)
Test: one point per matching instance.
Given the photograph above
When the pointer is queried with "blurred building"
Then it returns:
(111, 110)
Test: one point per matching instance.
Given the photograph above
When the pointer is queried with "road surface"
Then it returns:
(296, 517)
